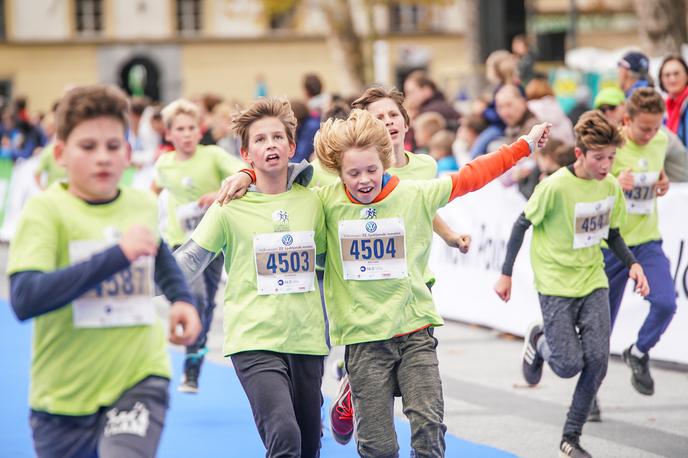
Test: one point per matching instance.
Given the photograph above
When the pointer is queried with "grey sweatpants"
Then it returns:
(131, 427)
(407, 364)
(577, 341)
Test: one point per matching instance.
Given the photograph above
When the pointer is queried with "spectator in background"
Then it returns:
(220, 130)
(545, 164)
(470, 128)
(501, 68)
(526, 60)
(543, 104)
(25, 137)
(583, 97)
(317, 101)
(440, 149)
(611, 101)
(423, 96)
(307, 124)
(633, 73)
(426, 125)
(512, 108)
(673, 80)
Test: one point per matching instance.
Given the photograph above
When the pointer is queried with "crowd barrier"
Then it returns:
(463, 290)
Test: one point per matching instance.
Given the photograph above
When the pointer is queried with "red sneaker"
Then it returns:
(342, 413)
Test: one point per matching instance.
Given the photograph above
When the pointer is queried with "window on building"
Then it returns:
(406, 17)
(89, 17)
(189, 15)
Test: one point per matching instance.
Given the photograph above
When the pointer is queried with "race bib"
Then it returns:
(373, 249)
(189, 215)
(125, 299)
(591, 222)
(641, 199)
(285, 262)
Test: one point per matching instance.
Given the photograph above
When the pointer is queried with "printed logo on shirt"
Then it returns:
(187, 182)
(280, 216)
(287, 240)
(368, 213)
(111, 234)
(371, 226)
(643, 164)
(134, 421)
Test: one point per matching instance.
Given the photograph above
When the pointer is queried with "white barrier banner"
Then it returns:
(463, 290)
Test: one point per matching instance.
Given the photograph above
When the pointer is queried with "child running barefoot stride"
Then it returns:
(572, 212)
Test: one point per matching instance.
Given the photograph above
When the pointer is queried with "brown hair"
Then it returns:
(312, 84)
(667, 59)
(593, 131)
(361, 130)
(538, 88)
(265, 107)
(431, 122)
(90, 102)
(442, 141)
(474, 122)
(375, 93)
(644, 100)
(564, 155)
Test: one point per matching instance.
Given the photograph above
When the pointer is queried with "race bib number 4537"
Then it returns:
(373, 249)
(285, 262)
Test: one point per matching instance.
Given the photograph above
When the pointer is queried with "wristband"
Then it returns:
(250, 173)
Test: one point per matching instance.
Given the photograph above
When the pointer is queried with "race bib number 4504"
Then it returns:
(124, 299)
(373, 249)
(591, 222)
(285, 262)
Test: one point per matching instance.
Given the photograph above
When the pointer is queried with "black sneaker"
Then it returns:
(532, 361)
(192, 369)
(595, 415)
(640, 368)
(570, 447)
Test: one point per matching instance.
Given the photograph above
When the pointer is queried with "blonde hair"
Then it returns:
(431, 122)
(361, 130)
(442, 141)
(180, 106)
(265, 107)
(593, 131)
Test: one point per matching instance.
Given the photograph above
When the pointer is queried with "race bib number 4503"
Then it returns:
(124, 299)
(285, 262)
(591, 222)
(373, 249)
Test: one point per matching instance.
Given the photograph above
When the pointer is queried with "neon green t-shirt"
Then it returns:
(418, 167)
(321, 177)
(570, 217)
(186, 181)
(645, 162)
(48, 165)
(377, 289)
(272, 301)
(75, 370)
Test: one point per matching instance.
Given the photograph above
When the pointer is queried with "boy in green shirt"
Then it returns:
(572, 211)
(274, 325)
(82, 263)
(191, 175)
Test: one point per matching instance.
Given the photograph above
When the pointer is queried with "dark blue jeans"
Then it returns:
(662, 295)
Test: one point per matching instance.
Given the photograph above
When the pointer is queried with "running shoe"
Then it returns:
(532, 361)
(570, 448)
(192, 370)
(342, 413)
(640, 368)
(595, 415)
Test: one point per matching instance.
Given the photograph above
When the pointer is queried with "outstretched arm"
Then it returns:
(503, 285)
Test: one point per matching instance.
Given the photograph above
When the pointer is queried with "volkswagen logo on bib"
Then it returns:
(371, 226)
(287, 240)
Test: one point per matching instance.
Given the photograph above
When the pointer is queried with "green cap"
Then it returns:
(609, 96)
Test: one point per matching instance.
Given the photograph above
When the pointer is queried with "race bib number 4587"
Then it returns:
(373, 249)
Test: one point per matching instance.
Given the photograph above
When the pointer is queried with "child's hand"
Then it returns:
(626, 180)
(503, 287)
(539, 134)
(233, 188)
(662, 185)
(462, 242)
(184, 315)
(138, 241)
(641, 286)
(207, 200)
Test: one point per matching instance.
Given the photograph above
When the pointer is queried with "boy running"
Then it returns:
(82, 263)
(191, 174)
(639, 167)
(572, 211)
(274, 322)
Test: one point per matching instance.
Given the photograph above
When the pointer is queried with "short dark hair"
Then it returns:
(312, 84)
(668, 59)
(645, 100)
(84, 103)
(375, 93)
